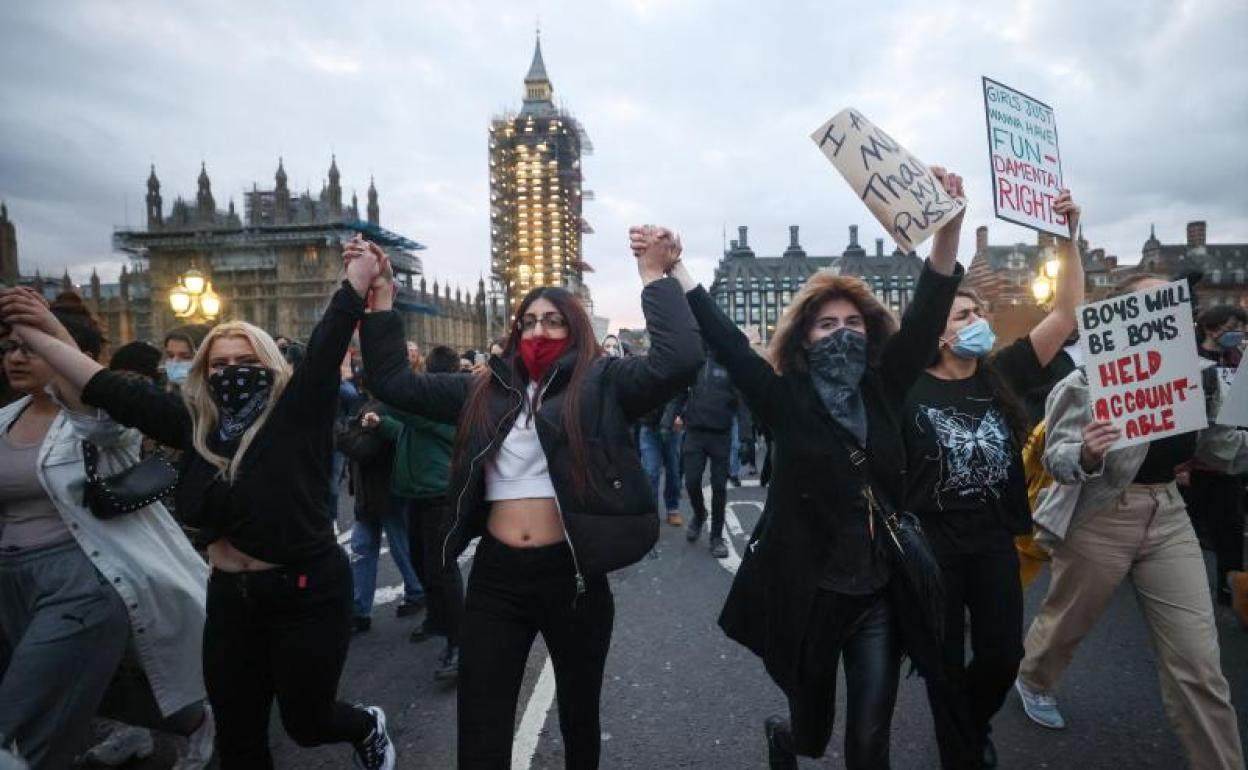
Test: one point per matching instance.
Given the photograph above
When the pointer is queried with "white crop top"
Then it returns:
(518, 470)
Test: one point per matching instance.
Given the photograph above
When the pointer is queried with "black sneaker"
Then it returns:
(734, 480)
(407, 609)
(376, 752)
(361, 624)
(719, 548)
(778, 757)
(420, 633)
(448, 665)
(694, 530)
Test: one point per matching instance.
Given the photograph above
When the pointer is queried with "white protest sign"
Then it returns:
(899, 190)
(1142, 364)
(1234, 409)
(1026, 164)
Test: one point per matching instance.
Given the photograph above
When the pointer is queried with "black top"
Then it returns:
(711, 402)
(1163, 456)
(277, 508)
(814, 526)
(966, 479)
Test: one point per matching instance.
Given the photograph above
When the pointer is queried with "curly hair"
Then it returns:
(787, 349)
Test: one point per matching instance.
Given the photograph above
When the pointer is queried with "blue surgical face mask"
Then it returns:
(177, 371)
(1229, 340)
(974, 341)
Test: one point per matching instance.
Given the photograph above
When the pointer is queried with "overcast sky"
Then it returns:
(699, 111)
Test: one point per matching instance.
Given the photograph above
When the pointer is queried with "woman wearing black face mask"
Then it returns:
(255, 481)
(816, 582)
(965, 427)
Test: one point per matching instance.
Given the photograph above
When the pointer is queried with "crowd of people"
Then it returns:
(153, 578)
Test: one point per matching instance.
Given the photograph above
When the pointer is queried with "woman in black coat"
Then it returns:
(546, 472)
(816, 582)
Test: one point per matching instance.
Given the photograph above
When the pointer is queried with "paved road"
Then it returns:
(679, 694)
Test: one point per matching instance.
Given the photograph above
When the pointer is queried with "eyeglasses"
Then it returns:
(12, 346)
(547, 320)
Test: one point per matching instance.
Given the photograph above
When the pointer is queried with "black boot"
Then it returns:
(448, 666)
(780, 754)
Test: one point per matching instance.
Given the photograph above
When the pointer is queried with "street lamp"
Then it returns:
(1045, 284)
(193, 294)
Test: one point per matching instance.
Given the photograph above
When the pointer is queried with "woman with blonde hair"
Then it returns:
(255, 481)
(817, 584)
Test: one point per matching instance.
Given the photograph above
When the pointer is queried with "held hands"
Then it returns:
(364, 262)
(1066, 205)
(1098, 436)
(657, 250)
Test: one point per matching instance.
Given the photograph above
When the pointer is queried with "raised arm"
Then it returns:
(645, 382)
(912, 349)
(944, 255)
(1051, 333)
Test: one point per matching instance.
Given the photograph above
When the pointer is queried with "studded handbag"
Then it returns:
(136, 487)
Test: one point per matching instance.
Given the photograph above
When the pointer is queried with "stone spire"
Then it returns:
(155, 215)
(538, 92)
(335, 188)
(205, 206)
(281, 196)
(374, 213)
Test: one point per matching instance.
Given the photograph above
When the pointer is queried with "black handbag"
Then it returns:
(136, 487)
(914, 559)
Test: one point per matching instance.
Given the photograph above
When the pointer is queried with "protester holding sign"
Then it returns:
(965, 427)
(817, 581)
(1119, 513)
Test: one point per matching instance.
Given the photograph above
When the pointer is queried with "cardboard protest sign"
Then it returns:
(1026, 164)
(899, 189)
(1234, 409)
(1142, 364)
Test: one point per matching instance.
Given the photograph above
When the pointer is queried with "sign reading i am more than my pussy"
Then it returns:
(897, 187)
(1026, 162)
(1142, 366)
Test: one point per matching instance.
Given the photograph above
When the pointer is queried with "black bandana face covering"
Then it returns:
(240, 393)
(837, 363)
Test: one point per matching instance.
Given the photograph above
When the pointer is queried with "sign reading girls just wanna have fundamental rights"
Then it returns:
(1026, 162)
(1142, 366)
(897, 187)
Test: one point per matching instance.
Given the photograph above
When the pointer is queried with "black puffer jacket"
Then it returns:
(711, 401)
(616, 515)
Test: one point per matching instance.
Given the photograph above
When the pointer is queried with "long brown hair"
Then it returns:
(476, 420)
(787, 350)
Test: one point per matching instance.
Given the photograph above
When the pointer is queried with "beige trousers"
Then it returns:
(1147, 534)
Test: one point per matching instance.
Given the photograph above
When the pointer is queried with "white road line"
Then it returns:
(529, 732)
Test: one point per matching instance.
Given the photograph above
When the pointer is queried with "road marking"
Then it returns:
(529, 732)
(731, 523)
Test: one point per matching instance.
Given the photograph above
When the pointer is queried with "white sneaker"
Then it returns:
(1041, 707)
(376, 752)
(197, 751)
(120, 746)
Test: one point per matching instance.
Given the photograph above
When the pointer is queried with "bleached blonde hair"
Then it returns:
(204, 415)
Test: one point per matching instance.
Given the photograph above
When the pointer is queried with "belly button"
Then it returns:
(526, 537)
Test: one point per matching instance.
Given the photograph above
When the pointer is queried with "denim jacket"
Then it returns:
(143, 555)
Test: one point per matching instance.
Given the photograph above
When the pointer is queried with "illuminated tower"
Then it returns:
(535, 193)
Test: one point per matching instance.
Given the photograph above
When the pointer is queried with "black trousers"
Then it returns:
(513, 594)
(862, 630)
(701, 446)
(281, 632)
(444, 586)
(986, 586)
(1215, 502)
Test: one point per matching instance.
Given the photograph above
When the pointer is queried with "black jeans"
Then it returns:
(985, 585)
(514, 593)
(444, 586)
(700, 446)
(862, 629)
(1215, 501)
(281, 632)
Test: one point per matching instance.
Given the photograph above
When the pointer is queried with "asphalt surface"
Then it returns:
(679, 694)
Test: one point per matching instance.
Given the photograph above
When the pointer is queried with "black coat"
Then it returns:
(370, 458)
(618, 509)
(813, 484)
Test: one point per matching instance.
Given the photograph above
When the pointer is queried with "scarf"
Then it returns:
(538, 353)
(837, 364)
(240, 393)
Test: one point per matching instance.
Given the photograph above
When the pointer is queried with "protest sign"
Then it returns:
(1026, 164)
(1234, 409)
(1142, 364)
(899, 190)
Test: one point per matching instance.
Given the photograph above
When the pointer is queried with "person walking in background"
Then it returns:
(706, 413)
(422, 461)
(349, 399)
(659, 442)
(179, 353)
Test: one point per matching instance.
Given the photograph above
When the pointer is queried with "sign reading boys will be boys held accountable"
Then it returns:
(1026, 163)
(1142, 364)
(899, 189)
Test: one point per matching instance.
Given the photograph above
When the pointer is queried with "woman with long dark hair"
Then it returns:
(546, 472)
(965, 428)
(816, 584)
(255, 480)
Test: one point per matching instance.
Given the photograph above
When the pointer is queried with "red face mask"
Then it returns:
(538, 353)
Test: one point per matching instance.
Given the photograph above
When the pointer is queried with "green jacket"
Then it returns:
(422, 454)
